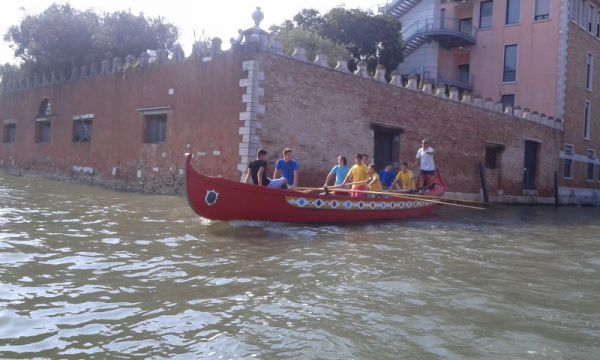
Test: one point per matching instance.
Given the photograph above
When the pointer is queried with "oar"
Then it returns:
(326, 188)
(435, 197)
(419, 196)
(348, 184)
(404, 197)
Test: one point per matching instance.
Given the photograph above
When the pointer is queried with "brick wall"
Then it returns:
(204, 109)
(580, 42)
(319, 112)
(322, 113)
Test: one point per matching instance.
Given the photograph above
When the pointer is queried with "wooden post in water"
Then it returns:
(556, 197)
(483, 182)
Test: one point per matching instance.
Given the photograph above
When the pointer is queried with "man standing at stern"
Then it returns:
(427, 166)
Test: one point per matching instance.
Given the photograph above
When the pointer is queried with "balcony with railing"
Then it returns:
(449, 33)
(461, 79)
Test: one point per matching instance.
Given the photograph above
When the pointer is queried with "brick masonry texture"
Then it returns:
(204, 111)
(322, 113)
(319, 112)
(580, 43)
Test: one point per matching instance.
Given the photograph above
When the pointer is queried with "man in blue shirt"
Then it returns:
(387, 176)
(288, 168)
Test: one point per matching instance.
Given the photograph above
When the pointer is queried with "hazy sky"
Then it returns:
(220, 18)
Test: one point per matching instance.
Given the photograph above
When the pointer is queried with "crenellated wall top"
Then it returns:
(426, 88)
(106, 67)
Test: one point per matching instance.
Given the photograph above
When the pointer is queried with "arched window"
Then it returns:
(45, 108)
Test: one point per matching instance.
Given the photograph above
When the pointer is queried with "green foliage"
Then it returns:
(123, 33)
(312, 43)
(201, 48)
(8, 71)
(62, 37)
(373, 38)
(58, 36)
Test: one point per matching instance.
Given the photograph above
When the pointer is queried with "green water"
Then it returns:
(90, 273)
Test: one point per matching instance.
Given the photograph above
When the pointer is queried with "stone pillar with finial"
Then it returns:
(256, 34)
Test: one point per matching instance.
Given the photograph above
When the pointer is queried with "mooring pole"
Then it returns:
(556, 197)
(483, 182)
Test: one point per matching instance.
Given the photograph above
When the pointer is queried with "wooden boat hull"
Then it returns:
(221, 199)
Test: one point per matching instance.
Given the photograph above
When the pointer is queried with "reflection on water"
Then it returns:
(87, 272)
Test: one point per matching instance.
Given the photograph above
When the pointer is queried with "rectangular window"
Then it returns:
(589, 72)
(510, 63)
(42, 131)
(492, 156)
(485, 14)
(591, 15)
(464, 74)
(82, 129)
(10, 132)
(542, 9)
(155, 128)
(598, 24)
(568, 162)
(513, 11)
(567, 168)
(590, 165)
(573, 10)
(442, 18)
(586, 120)
(508, 100)
(582, 13)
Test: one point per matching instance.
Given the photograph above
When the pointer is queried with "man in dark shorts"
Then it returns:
(426, 165)
(257, 170)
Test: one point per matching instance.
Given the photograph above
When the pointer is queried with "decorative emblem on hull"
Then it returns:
(211, 197)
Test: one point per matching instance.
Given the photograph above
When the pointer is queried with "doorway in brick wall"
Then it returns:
(386, 142)
(530, 165)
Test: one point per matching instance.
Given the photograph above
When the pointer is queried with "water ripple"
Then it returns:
(88, 273)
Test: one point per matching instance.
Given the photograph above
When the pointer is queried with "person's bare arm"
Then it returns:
(276, 174)
(370, 182)
(261, 171)
(394, 183)
(328, 179)
(296, 177)
(247, 177)
(348, 178)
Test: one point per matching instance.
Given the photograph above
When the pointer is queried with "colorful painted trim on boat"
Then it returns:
(336, 204)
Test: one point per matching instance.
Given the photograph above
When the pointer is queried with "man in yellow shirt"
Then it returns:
(358, 176)
(405, 180)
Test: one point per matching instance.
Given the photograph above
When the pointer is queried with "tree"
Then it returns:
(62, 37)
(57, 38)
(312, 43)
(373, 38)
(123, 33)
(8, 71)
(309, 19)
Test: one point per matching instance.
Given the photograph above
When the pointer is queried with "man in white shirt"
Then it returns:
(426, 166)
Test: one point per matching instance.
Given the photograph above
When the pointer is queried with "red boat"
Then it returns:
(220, 199)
